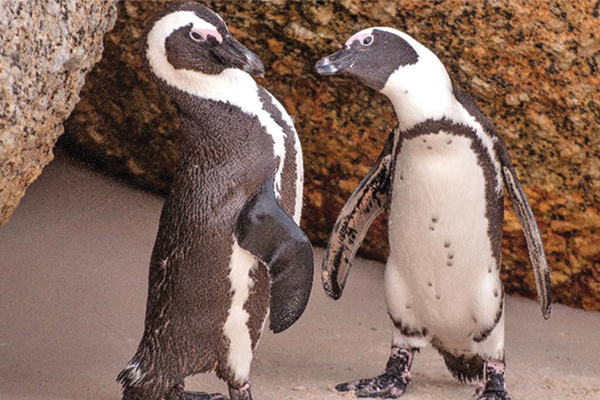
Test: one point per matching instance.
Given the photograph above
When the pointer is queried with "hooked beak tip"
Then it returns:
(238, 56)
(336, 63)
(325, 67)
(255, 68)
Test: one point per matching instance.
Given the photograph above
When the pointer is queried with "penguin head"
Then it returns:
(190, 38)
(396, 65)
(372, 56)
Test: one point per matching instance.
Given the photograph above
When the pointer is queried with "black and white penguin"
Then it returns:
(440, 175)
(229, 250)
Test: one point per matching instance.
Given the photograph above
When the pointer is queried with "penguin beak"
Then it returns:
(337, 62)
(233, 53)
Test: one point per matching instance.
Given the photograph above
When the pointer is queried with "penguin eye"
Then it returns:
(367, 40)
(197, 36)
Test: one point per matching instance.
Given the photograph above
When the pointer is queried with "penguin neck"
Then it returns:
(210, 123)
(213, 130)
(205, 102)
(230, 86)
(420, 93)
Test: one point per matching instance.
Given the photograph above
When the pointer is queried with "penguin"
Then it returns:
(440, 176)
(229, 251)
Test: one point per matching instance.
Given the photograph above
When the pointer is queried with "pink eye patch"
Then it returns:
(359, 36)
(206, 32)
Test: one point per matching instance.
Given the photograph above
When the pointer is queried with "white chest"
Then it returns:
(440, 252)
(438, 190)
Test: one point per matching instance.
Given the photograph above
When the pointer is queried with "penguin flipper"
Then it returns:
(533, 238)
(364, 205)
(265, 230)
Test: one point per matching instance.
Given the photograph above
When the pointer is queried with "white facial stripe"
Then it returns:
(359, 36)
(410, 87)
(157, 53)
(212, 87)
(170, 23)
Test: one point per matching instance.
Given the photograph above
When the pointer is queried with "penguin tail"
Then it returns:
(131, 375)
(464, 367)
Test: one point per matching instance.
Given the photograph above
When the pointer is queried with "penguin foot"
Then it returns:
(494, 387)
(241, 393)
(382, 386)
(201, 396)
(481, 394)
(178, 392)
(391, 384)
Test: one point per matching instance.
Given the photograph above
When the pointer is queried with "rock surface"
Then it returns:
(531, 66)
(46, 50)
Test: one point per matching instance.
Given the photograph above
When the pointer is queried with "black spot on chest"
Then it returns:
(494, 200)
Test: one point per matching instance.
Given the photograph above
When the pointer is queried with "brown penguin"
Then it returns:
(228, 248)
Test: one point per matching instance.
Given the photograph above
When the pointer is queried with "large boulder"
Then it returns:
(47, 48)
(531, 66)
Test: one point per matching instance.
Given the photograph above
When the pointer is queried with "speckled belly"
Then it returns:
(438, 273)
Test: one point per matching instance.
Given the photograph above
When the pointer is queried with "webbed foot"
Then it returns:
(494, 387)
(201, 396)
(241, 393)
(178, 392)
(391, 384)
(487, 395)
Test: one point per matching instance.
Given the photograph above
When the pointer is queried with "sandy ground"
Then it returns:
(73, 270)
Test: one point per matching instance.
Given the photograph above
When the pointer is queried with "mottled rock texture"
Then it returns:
(46, 48)
(531, 65)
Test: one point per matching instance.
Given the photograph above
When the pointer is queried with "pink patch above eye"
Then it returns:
(359, 36)
(210, 32)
